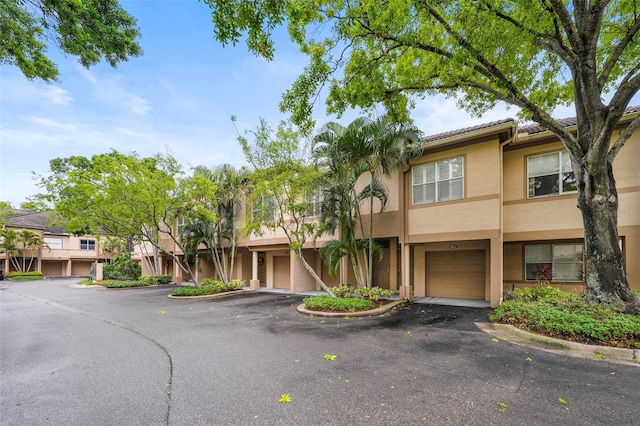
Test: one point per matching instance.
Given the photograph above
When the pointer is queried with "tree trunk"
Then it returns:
(605, 269)
(313, 272)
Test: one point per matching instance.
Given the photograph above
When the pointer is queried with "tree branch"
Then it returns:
(617, 52)
(624, 136)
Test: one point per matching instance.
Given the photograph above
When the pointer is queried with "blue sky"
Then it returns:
(177, 98)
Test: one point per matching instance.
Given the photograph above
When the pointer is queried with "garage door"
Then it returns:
(52, 269)
(458, 274)
(281, 272)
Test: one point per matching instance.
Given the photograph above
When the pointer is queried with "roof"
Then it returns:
(33, 220)
(565, 122)
(445, 135)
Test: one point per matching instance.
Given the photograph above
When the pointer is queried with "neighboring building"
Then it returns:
(66, 255)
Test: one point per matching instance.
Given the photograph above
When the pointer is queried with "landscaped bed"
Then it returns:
(549, 311)
(209, 286)
(349, 300)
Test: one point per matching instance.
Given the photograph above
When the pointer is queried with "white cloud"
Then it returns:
(16, 88)
(49, 123)
(137, 105)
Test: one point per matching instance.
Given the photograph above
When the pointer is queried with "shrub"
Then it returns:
(25, 276)
(343, 290)
(374, 293)
(340, 304)
(235, 284)
(192, 291)
(156, 279)
(209, 286)
(566, 315)
(122, 268)
(125, 284)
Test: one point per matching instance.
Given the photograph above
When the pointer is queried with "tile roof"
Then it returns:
(33, 220)
(565, 122)
(440, 136)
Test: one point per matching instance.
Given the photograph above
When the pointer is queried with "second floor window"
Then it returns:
(180, 224)
(314, 200)
(264, 209)
(53, 243)
(438, 181)
(550, 174)
(87, 245)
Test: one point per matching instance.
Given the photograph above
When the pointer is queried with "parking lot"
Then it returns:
(94, 356)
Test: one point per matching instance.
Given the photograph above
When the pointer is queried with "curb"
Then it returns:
(524, 338)
(211, 296)
(377, 311)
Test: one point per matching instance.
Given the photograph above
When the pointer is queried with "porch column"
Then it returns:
(393, 264)
(69, 267)
(405, 290)
(254, 283)
(496, 273)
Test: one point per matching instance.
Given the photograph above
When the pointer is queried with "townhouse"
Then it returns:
(62, 254)
(483, 209)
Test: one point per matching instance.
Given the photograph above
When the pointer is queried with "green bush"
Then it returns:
(339, 304)
(374, 293)
(157, 279)
(122, 268)
(209, 286)
(125, 283)
(344, 291)
(566, 315)
(235, 284)
(25, 276)
(193, 291)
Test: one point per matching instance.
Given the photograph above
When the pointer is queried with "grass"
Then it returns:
(549, 311)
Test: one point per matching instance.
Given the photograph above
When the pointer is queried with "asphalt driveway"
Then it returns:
(134, 357)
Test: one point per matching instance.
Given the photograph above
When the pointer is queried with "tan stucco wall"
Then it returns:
(556, 218)
(480, 207)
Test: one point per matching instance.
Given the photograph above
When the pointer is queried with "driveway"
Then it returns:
(134, 357)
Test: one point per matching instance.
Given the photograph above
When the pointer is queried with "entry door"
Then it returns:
(456, 274)
(281, 272)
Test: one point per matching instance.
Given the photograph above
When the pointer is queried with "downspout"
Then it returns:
(514, 130)
(405, 263)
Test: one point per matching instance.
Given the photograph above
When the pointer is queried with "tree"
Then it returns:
(278, 188)
(217, 194)
(9, 240)
(92, 30)
(123, 195)
(29, 242)
(531, 54)
(335, 150)
(382, 148)
(6, 209)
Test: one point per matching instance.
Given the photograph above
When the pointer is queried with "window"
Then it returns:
(439, 181)
(263, 209)
(87, 244)
(550, 174)
(180, 224)
(314, 199)
(563, 262)
(53, 243)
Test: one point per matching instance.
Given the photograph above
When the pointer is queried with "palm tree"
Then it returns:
(333, 149)
(346, 153)
(383, 147)
(9, 245)
(30, 241)
(213, 223)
